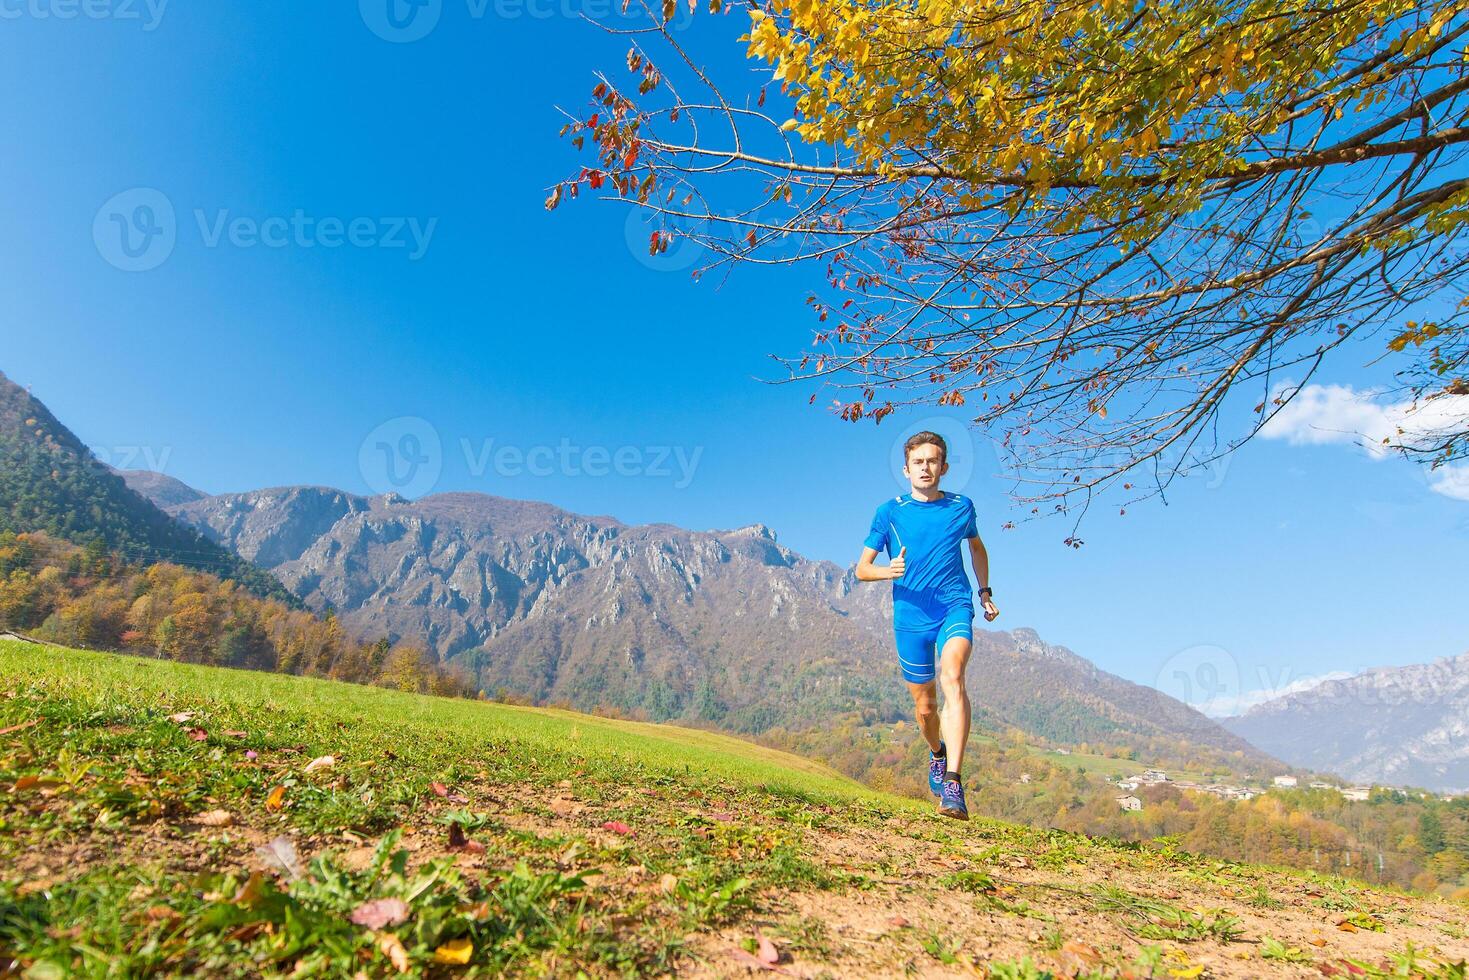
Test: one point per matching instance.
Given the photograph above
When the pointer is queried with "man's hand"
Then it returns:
(898, 564)
(990, 611)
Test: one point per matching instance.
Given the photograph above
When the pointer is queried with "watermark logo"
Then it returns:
(400, 21)
(1204, 677)
(402, 455)
(136, 230)
(676, 245)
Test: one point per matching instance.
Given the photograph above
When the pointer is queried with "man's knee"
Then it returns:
(926, 703)
(951, 675)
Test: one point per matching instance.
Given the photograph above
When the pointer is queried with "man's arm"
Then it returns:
(980, 559)
(868, 572)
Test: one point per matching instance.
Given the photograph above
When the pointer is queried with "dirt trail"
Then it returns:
(883, 931)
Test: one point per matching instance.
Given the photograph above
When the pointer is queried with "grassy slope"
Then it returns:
(130, 843)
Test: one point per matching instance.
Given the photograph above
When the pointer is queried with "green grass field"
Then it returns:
(104, 756)
(162, 819)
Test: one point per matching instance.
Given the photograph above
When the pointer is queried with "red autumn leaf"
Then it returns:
(380, 913)
(617, 827)
(752, 961)
(197, 734)
(439, 789)
(750, 238)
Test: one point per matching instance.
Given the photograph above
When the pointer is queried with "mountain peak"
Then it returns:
(756, 530)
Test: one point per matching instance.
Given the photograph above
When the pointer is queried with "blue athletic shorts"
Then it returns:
(919, 649)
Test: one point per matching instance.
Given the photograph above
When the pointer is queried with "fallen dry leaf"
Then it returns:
(565, 808)
(197, 734)
(392, 948)
(1077, 957)
(21, 727)
(1346, 926)
(215, 818)
(766, 952)
(380, 913)
(236, 733)
(457, 951)
(898, 922)
(668, 884)
(617, 827)
(182, 717)
(439, 789)
(276, 799)
(321, 762)
(753, 961)
(280, 854)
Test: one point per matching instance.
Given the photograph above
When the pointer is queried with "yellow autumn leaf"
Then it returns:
(455, 951)
(1186, 972)
(276, 799)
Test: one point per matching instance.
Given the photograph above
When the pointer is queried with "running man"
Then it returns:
(933, 608)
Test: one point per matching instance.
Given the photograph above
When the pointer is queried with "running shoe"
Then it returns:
(936, 764)
(951, 800)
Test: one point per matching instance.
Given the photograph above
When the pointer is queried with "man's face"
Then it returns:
(925, 465)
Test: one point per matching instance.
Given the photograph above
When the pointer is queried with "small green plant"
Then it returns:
(1024, 969)
(941, 949)
(1274, 949)
(1259, 897)
(968, 881)
(711, 902)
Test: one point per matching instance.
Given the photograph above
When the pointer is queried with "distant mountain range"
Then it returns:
(1402, 726)
(50, 482)
(724, 627)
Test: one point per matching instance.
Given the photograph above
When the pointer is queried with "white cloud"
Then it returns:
(1237, 704)
(1451, 481)
(1322, 414)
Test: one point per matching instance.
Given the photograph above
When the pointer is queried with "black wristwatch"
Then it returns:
(987, 591)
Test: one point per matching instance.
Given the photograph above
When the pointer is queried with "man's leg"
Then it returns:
(926, 712)
(954, 721)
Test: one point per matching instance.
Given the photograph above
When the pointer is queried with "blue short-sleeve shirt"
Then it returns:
(934, 580)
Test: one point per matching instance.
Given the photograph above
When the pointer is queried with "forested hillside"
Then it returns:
(50, 481)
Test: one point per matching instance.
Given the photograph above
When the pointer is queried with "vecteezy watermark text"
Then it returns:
(304, 231)
(405, 455)
(148, 12)
(405, 21)
(567, 458)
(138, 229)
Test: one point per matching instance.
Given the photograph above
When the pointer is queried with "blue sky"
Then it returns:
(236, 362)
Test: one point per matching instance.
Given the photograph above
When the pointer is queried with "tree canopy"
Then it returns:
(1092, 224)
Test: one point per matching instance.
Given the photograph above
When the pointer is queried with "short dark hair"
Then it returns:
(925, 439)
